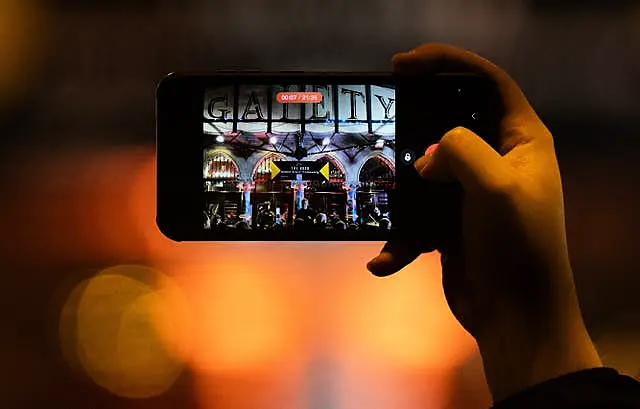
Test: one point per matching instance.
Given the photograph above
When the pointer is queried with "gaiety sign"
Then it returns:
(296, 103)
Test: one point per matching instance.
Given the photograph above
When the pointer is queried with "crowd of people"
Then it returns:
(305, 218)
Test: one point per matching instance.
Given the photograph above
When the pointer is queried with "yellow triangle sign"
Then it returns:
(325, 171)
(274, 170)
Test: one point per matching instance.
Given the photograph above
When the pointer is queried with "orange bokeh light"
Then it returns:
(120, 328)
(244, 317)
(403, 319)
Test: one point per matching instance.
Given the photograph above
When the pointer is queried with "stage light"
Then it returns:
(273, 140)
(219, 138)
(326, 141)
(379, 144)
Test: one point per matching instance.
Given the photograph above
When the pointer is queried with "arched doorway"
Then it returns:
(221, 175)
(328, 196)
(262, 174)
(377, 179)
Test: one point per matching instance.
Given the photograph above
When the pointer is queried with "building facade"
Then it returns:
(245, 131)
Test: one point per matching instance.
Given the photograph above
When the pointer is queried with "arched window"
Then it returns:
(337, 174)
(377, 173)
(262, 174)
(221, 173)
(328, 196)
(262, 171)
(376, 177)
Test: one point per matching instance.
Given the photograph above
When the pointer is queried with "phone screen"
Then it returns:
(299, 158)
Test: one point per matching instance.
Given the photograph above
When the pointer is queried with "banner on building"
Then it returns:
(289, 170)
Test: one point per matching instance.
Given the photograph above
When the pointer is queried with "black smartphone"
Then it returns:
(300, 156)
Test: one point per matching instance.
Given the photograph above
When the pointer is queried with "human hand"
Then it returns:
(507, 276)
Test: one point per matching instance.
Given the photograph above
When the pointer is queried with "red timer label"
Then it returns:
(299, 97)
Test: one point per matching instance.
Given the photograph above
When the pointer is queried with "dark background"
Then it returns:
(77, 84)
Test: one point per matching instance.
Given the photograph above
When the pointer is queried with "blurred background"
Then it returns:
(98, 310)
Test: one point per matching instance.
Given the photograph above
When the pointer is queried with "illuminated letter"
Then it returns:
(353, 94)
(253, 107)
(223, 111)
(315, 114)
(387, 106)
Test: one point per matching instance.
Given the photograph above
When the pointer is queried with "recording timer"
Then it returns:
(298, 97)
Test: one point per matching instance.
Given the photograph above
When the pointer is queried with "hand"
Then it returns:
(512, 221)
(507, 277)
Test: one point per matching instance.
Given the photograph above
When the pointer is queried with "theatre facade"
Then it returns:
(249, 133)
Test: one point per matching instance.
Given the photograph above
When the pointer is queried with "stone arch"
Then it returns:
(219, 164)
(376, 177)
(336, 163)
(264, 162)
(377, 157)
(349, 166)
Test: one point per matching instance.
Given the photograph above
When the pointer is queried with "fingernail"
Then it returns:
(403, 55)
(431, 148)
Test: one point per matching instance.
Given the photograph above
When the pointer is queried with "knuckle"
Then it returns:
(454, 137)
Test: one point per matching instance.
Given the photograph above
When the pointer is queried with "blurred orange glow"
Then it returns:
(403, 319)
(466, 386)
(81, 214)
(260, 312)
(248, 316)
(111, 326)
(142, 204)
(266, 310)
(281, 386)
(261, 307)
(376, 386)
(23, 26)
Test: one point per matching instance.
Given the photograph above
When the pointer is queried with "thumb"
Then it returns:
(463, 156)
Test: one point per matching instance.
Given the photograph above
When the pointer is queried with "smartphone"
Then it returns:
(295, 156)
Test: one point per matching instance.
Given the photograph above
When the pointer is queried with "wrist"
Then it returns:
(517, 359)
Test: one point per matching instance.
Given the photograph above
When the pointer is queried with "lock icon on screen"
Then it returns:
(407, 157)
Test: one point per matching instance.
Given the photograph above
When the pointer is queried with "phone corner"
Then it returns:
(168, 232)
(165, 80)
